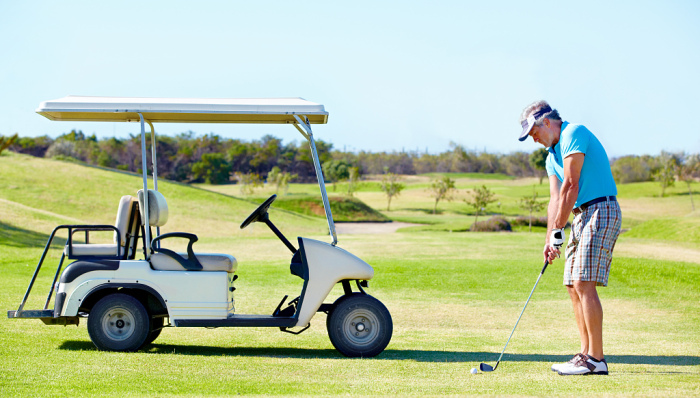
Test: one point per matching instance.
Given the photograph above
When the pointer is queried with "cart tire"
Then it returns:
(118, 322)
(156, 328)
(359, 325)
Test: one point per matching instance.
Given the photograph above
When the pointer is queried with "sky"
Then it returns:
(393, 75)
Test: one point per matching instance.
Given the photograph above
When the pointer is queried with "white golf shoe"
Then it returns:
(558, 366)
(585, 366)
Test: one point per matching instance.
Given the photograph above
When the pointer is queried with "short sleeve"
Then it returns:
(549, 166)
(574, 140)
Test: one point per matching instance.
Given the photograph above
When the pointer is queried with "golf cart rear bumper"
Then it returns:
(46, 316)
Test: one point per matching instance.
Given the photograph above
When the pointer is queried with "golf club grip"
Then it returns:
(546, 263)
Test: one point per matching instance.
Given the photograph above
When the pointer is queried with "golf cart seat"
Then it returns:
(163, 259)
(125, 228)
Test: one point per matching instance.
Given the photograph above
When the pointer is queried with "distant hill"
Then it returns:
(37, 194)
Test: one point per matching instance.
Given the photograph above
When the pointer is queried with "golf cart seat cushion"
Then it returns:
(82, 249)
(210, 262)
(157, 208)
(123, 214)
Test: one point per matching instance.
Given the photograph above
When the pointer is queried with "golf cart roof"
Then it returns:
(183, 110)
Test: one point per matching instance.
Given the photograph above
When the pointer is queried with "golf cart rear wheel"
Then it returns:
(359, 326)
(118, 322)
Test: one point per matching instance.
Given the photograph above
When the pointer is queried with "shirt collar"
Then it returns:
(555, 148)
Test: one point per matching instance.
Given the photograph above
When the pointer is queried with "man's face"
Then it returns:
(543, 134)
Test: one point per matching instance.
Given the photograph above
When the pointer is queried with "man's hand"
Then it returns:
(557, 238)
(550, 253)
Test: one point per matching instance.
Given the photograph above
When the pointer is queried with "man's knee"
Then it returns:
(585, 288)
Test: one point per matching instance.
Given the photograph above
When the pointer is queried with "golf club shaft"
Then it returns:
(546, 262)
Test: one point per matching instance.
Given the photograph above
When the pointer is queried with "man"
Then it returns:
(580, 181)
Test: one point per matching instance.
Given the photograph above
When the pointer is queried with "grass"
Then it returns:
(454, 298)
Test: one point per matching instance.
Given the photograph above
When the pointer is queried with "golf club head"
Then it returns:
(486, 368)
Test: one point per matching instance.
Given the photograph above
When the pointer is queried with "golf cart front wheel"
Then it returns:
(359, 326)
(118, 322)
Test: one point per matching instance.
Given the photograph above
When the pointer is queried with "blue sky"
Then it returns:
(394, 75)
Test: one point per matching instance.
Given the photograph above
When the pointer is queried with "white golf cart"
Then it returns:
(128, 301)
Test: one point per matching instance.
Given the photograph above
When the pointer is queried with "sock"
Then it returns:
(597, 360)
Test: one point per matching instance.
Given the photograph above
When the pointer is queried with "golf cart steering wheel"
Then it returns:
(259, 214)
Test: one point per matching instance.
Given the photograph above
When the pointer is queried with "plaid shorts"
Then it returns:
(593, 236)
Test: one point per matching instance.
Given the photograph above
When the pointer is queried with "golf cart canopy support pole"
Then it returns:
(144, 166)
(308, 134)
(154, 162)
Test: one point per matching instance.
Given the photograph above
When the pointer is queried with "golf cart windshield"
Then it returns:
(296, 111)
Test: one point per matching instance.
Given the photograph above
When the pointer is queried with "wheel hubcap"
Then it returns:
(361, 327)
(118, 324)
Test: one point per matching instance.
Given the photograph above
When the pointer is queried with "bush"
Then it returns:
(536, 221)
(493, 224)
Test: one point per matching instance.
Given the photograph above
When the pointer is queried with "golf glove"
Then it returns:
(557, 238)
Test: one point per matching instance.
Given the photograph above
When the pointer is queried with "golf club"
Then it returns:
(488, 368)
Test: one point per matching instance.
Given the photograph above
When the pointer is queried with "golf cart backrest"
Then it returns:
(125, 229)
(157, 208)
(163, 259)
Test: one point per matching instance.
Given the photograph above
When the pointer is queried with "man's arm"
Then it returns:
(569, 188)
(553, 207)
(549, 252)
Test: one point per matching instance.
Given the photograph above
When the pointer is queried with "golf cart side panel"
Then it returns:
(328, 265)
(186, 294)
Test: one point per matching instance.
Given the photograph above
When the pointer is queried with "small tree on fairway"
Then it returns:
(538, 161)
(442, 188)
(273, 177)
(481, 198)
(531, 204)
(354, 177)
(666, 172)
(280, 179)
(284, 179)
(688, 169)
(336, 170)
(248, 182)
(391, 187)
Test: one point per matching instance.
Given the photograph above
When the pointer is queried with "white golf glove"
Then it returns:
(557, 238)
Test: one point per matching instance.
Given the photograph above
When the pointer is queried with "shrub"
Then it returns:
(536, 221)
(493, 224)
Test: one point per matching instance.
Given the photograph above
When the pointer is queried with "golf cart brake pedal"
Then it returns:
(286, 330)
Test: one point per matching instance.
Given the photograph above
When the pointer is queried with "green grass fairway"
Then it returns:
(454, 298)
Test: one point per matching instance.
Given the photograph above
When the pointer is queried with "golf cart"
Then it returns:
(129, 300)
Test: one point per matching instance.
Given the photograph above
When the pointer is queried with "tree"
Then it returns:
(538, 161)
(274, 177)
(213, 168)
(666, 172)
(688, 169)
(248, 182)
(531, 204)
(442, 188)
(481, 198)
(632, 169)
(391, 187)
(284, 179)
(354, 177)
(336, 170)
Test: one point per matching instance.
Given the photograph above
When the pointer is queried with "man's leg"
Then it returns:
(580, 319)
(592, 312)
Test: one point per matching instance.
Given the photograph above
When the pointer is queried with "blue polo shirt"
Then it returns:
(596, 177)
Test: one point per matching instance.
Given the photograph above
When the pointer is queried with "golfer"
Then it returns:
(580, 181)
